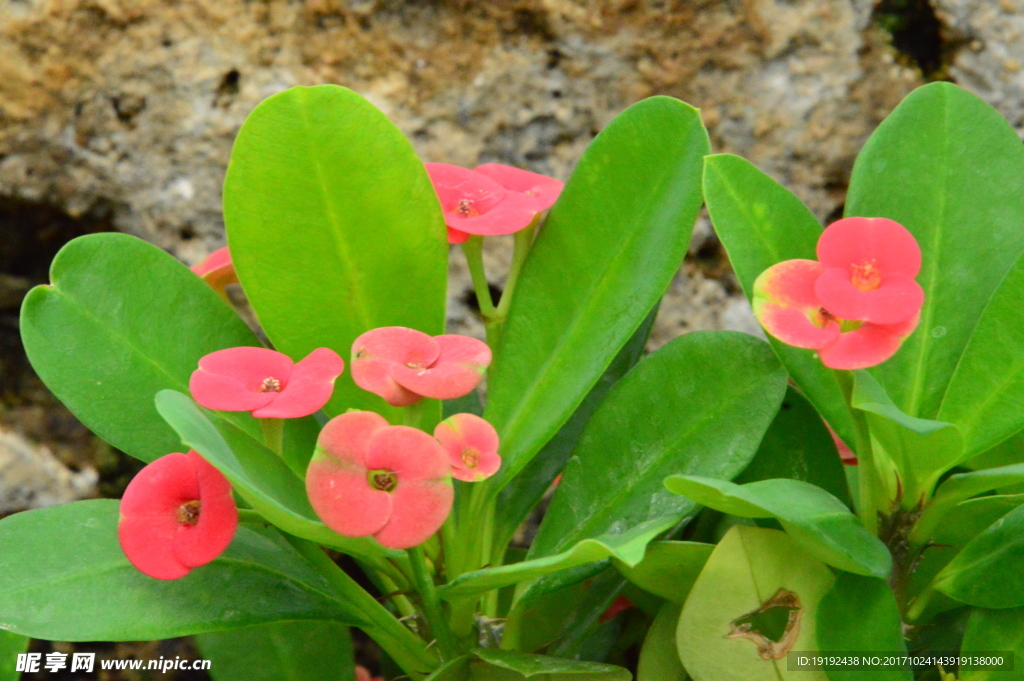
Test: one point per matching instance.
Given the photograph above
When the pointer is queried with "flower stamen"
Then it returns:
(471, 457)
(866, 276)
(385, 481)
(188, 513)
(270, 385)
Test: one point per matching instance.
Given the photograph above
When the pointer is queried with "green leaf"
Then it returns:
(668, 569)
(524, 492)
(986, 394)
(860, 614)
(605, 256)
(334, 227)
(762, 223)
(950, 169)
(258, 475)
(963, 486)
(11, 645)
(1007, 452)
(628, 547)
(797, 445)
(747, 570)
(280, 651)
(815, 519)
(991, 631)
(700, 404)
(501, 665)
(659, 660)
(986, 573)
(64, 577)
(921, 450)
(121, 321)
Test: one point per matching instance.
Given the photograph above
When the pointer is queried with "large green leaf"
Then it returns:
(762, 223)
(920, 449)
(604, 257)
(750, 567)
(990, 631)
(64, 577)
(258, 475)
(334, 227)
(659, 660)
(280, 651)
(506, 665)
(698, 405)
(525, 491)
(859, 614)
(987, 573)
(668, 569)
(121, 321)
(963, 486)
(986, 394)
(797, 445)
(950, 169)
(815, 519)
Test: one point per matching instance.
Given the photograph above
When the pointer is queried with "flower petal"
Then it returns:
(511, 214)
(225, 393)
(867, 346)
(199, 544)
(419, 509)
(347, 437)
(148, 524)
(344, 499)
(308, 388)
(375, 353)
(249, 365)
(787, 307)
(488, 466)
(543, 191)
(454, 184)
(855, 240)
(457, 237)
(408, 452)
(897, 298)
(463, 431)
(459, 368)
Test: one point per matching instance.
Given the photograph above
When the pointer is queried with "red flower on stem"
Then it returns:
(370, 478)
(869, 269)
(176, 514)
(476, 204)
(404, 365)
(265, 382)
(541, 191)
(472, 446)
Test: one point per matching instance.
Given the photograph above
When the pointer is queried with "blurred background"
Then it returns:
(120, 114)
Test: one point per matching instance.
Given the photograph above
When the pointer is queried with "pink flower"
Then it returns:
(265, 382)
(869, 269)
(475, 204)
(787, 305)
(541, 190)
(176, 514)
(369, 478)
(404, 365)
(472, 446)
(216, 269)
(363, 674)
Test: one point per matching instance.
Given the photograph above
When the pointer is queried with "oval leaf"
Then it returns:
(816, 520)
(311, 651)
(604, 257)
(950, 169)
(987, 573)
(334, 227)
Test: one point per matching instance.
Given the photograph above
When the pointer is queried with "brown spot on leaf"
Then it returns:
(770, 646)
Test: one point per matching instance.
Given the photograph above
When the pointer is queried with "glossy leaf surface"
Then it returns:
(280, 651)
(606, 254)
(986, 573)
(334, 227)
(950, 169)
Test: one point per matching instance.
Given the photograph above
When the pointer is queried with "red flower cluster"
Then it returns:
(404, 365)
(176, 514)
(856, 304)
(491, 199)
(367, 477)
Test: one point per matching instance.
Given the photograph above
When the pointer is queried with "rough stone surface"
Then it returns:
(32, 477)
(989, 59)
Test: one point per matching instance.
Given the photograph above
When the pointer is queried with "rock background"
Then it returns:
(120, 114)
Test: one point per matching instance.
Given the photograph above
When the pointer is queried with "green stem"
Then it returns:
(474, 250)
(404, 647)
(870, 486)
(521, 249)
(273, 434)
(413, 414)
(432, 605)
